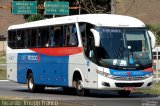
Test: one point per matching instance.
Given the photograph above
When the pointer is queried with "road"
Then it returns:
(95, 98)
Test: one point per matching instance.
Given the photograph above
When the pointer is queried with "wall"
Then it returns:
(145, 10)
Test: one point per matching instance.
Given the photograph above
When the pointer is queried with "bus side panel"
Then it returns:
(47, 70)
(11, 66)
(53, 70)
(79, 63)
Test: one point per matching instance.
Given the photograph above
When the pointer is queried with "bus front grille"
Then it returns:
(128, 84)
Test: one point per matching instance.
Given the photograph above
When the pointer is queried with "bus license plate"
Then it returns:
(128, 88)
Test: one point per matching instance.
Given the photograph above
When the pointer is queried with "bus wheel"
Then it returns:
(124, 93)
(79, 88)
(31, 85)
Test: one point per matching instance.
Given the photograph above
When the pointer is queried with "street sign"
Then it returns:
(24, 7)
(56, 8)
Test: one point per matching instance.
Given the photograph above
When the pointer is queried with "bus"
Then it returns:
(80, 53)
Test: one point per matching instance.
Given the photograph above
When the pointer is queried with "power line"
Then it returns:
(130, 7)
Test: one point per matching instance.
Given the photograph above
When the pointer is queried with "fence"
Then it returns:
(156, 62)
(3, 45)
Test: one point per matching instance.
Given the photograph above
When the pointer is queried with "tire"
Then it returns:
(80, 91)
(124, 93)
(32, 87)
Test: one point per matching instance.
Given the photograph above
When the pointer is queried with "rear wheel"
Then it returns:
(124, 93)
(32, 87)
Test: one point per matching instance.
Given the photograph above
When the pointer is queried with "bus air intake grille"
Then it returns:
(128, 84)
(129, 78)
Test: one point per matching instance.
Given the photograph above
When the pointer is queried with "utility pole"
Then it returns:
(79, 7)
(113, 6)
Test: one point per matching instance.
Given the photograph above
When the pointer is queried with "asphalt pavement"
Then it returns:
(95, 98)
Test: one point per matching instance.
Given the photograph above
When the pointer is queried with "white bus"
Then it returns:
(81, 52)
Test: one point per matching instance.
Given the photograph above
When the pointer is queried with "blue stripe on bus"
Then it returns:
(47, 70)
(128, 72)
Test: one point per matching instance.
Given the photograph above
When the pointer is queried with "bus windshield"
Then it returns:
(124, 48)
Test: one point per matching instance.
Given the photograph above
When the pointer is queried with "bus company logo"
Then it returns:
(129, 74)
(137, 74)
(120, 73)
(34, 57)
(129, 78)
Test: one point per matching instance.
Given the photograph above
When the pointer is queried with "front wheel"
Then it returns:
(79, 88)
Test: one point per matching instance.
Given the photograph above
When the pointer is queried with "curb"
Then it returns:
(3, 80)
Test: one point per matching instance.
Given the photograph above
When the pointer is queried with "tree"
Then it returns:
(86, 7)
(156, 30)
(95, 6)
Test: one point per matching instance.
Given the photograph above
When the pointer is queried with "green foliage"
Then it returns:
(3, 57)
(156, 30)
(153, 91)
(3, 73)
(36, 17)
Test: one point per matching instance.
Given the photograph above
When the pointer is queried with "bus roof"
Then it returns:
(107, 20)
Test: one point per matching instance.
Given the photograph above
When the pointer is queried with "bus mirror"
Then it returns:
(153, 39)
(96, 37)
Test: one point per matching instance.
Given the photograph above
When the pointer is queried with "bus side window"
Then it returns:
(57, 37)
(40, 37)
(12, 38)
(87, 40)
(20, 38)
(29, 32)
(33, 38)
(71, 35)
(83, 35)
(43, 36)
(25, 39)
(50, 43)
(38, 34)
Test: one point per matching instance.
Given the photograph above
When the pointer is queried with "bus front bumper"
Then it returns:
(105, 83)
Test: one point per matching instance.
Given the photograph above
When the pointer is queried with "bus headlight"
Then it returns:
(148, 75)
(104, 74)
